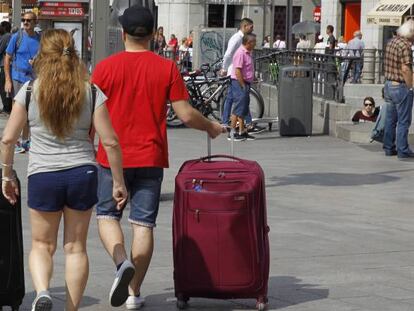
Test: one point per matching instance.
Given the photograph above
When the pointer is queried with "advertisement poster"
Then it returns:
(77, 30)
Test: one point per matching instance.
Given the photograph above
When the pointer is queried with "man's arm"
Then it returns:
(194, 119)
(8, 83)
(228, 56)
(407, 73)
(239, 77)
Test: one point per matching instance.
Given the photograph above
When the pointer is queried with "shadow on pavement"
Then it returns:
(169, 196)
(334, 179)
(284, 291)
(59, 299)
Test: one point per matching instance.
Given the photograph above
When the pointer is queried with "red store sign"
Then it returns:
(62, 11)
(62, 4)
(317, 14)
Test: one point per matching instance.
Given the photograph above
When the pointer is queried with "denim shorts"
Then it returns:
(144, 189)
(74, 188)
(241, 98)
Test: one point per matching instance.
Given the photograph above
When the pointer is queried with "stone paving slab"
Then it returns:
(341, 218)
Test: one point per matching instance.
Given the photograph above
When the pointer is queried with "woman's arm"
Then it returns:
(356, 116)
(11, 133)
(110, 143)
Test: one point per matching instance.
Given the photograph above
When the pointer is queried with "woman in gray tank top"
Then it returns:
(62, 176)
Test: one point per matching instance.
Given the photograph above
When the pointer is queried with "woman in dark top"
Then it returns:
(159, 41)
(369, 112)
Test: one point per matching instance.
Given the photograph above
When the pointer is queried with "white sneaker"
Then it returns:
(43, 302)
(134, 302)
(119, 291)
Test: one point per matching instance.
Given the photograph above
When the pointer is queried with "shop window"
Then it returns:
(216, 16)
(280, 19)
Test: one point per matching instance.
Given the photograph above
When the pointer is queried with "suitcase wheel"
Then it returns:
(181, 304)
(261, 303)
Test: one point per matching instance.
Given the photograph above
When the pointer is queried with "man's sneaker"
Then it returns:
(119, 291)
(255, 129)
(248, 136)
(19, 149)
(43, 302)
(26, 145)
(237, 137)
(134, 302)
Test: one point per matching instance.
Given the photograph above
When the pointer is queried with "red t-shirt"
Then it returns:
(138, 86)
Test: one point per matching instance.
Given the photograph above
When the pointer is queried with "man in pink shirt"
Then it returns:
(242, 76)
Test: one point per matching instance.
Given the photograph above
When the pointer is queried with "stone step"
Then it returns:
(363, 90)
(360, 133)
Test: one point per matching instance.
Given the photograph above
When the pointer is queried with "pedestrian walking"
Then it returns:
(4, 42)
(398, 92)
(331, 42)
(62, 172)
(138, 84)
(246, 27)
(356, 48)
(241, 78)
(20, 53)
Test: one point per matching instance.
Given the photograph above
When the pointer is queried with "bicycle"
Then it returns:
(207, 94)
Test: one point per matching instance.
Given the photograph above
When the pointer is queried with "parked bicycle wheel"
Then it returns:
(256, 104)
(172, 119)
(216, 103)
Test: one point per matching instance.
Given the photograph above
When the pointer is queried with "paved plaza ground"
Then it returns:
(342, 229)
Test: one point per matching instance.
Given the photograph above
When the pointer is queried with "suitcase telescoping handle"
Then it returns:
(231, 145)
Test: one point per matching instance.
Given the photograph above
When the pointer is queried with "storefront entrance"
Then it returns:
(352, 19)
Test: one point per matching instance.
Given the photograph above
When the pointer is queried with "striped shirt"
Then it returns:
(397, 53)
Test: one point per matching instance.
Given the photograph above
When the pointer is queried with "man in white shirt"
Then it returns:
(246, 27)
(279, 43)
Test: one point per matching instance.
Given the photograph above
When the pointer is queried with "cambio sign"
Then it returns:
(393, 8)
(388, 13)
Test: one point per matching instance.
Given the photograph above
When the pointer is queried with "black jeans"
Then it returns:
(7, 100)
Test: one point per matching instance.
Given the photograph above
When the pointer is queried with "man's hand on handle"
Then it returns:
(10, 189)
(216, 129)
(8, 85)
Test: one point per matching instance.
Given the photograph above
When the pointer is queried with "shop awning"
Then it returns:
(389, 12)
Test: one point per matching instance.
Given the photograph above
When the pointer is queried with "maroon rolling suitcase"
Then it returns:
(220, 231)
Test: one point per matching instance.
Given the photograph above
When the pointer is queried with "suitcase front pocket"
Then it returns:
(218, 247)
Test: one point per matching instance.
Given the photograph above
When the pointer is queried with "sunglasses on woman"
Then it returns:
(372, 105)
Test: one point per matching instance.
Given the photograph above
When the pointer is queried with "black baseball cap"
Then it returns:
(137, 21)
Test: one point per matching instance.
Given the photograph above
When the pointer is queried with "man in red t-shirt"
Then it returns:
(138, 85)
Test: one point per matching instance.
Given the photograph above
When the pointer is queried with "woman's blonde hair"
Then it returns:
(62, 78)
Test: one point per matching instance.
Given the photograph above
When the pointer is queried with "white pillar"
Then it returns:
(17, 13)
(100, 31)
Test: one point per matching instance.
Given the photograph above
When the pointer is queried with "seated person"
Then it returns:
(369, 113)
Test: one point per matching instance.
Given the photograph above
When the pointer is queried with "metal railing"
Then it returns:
(182, 58)
(330, 72)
